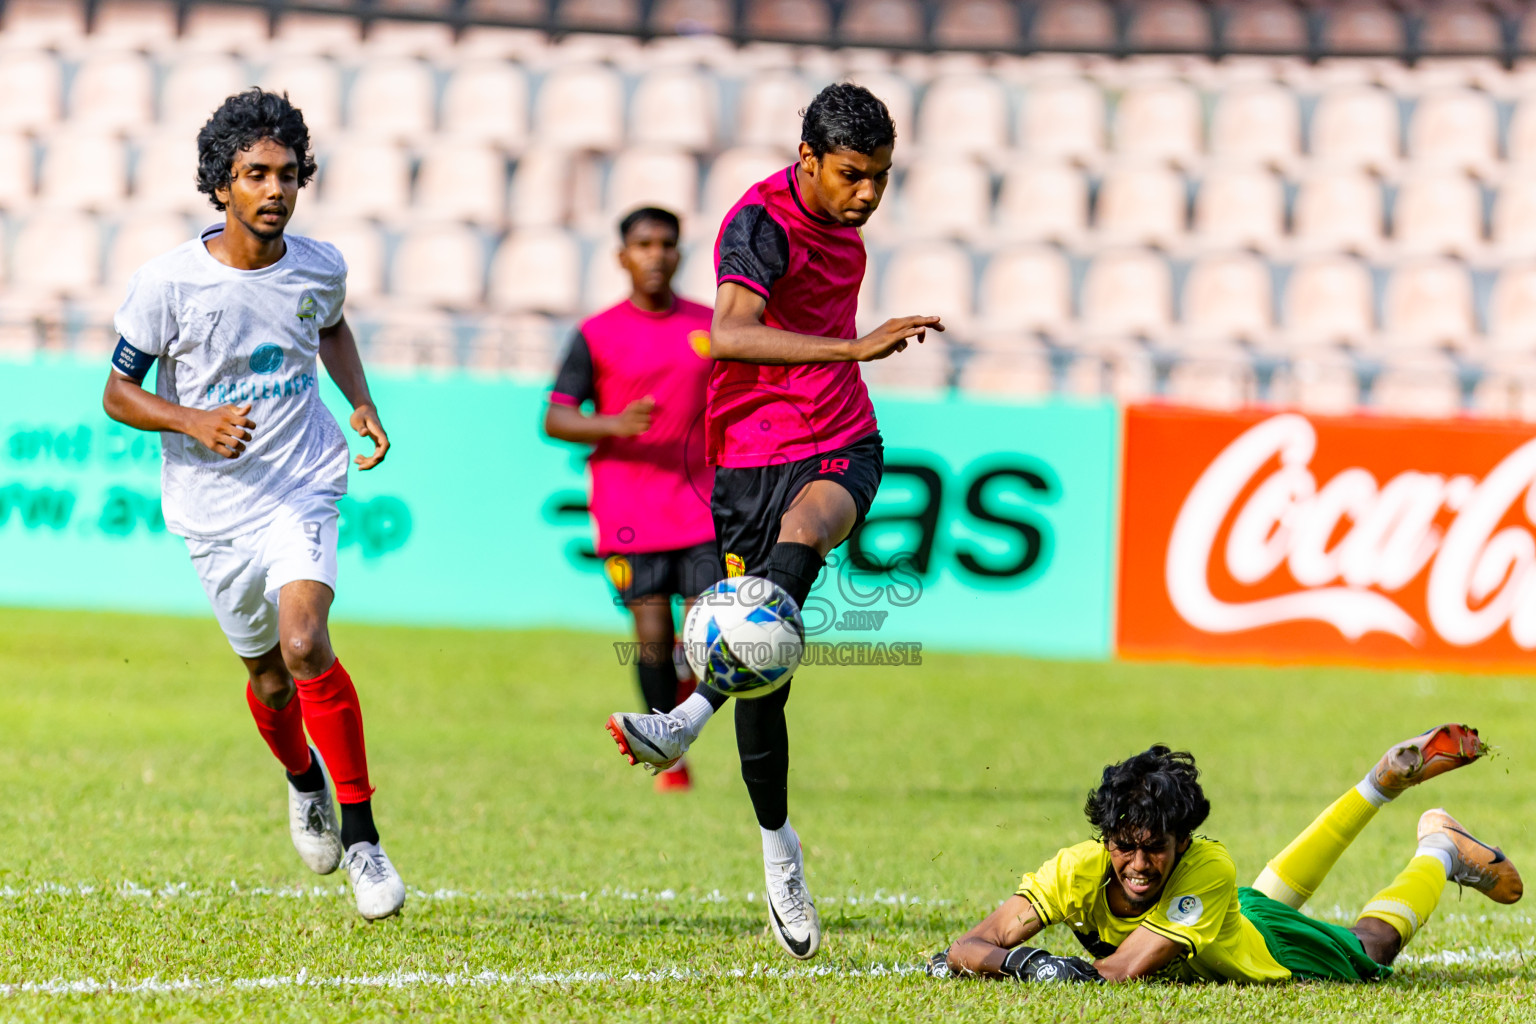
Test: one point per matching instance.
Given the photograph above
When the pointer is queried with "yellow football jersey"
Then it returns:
(1198, 910)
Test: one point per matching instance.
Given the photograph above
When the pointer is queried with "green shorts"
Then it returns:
(1310, 949)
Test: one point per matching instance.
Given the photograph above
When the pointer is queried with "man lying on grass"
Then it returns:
(1149, 898)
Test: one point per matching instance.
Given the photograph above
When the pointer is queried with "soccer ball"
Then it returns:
(744, 636)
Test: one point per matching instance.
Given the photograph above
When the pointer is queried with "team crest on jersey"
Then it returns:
(266, 359)
(734, 566)
(306, 307)
(619, 571)
(699, 342)
(1186, 910)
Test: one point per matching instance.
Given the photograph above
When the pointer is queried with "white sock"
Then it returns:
(780, 845)
(695, 711)
(1439, 855)
(1372, 793)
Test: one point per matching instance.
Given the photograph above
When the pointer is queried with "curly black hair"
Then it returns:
(846, 116)
(1156, 792)
(241, 121)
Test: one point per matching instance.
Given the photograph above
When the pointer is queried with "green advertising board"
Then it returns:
(993, 529)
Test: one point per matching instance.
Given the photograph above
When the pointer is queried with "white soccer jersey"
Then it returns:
(224, 335)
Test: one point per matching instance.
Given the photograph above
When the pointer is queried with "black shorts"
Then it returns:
(748, 502)
(683, 571)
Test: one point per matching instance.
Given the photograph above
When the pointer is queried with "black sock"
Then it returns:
(762, 741)
(795, 568)
(313, 779)
(715, 697)
(658, 685)
(357, 824)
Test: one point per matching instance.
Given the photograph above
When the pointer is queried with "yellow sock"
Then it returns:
(1294, 875)
(1407, 903)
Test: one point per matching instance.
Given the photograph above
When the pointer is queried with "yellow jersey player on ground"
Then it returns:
(1148, 898)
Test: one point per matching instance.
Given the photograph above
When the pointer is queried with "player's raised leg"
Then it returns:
(1295, 873)
(656, 636)
(334, 718)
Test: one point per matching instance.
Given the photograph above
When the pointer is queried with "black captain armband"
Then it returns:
(130, 362)
(1027, 963)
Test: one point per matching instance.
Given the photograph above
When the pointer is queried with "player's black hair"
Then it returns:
(654, 214)
(242, 121)
(1156, 792)
(846, 116)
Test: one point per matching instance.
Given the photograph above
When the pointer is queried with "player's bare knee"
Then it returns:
(307, 654)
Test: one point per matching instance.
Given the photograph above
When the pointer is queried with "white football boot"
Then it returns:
(791, 911)
(312, 824)
(375, 882)
(657, 740)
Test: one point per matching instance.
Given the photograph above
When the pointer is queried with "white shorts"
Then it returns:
(242, 576)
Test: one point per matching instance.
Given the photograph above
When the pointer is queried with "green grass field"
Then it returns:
(146, 873)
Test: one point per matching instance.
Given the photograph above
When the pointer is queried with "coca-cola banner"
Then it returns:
(1281, 536)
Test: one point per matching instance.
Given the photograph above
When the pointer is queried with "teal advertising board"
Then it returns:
(993, 529)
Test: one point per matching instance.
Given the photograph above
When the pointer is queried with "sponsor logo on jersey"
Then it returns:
(267, 359)
(734, 566)
(620, 572)
(306, 307)
(1186, 910)
(699, 342)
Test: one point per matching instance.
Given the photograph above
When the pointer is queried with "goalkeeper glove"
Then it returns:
(1029, 964)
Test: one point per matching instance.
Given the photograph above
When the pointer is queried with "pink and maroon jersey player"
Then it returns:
(650, 492)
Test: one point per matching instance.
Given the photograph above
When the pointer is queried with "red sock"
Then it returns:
(283, 729)
(335, 722)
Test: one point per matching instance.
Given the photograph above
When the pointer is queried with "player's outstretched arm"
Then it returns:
(1140, 956)
(568, 423)
(222, 431)
(983, 949)
(338, 351)
(739, 334)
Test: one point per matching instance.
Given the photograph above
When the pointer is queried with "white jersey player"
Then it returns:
(254, 464)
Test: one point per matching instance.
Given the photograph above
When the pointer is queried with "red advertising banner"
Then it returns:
(1286, 537)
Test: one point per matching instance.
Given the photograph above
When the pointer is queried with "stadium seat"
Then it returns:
(1212, 377)
(314, 86)
(895, 91)
(807, 20)
(1229, 297)
(487, 101)
(1328, 301)
(1022, 370)
(1514, 215)
(525, 12)
(196, 86)
(1240, 206)
(133, 24)
(31, 83)
(439, 265)
(1170, 25)
(537, 270)
(392, 99)
(1507, 387)
(768, 113)
(223, 28)
(112, 91)
(1265, 26)
(653, 176)
(696, 278)
(1063, 118)
(1142, 204)
(83, 170)
(165, 176)
(1127, 292)
(361, 246)
(389, 39)
(1338, 210)
(17, 160)
(946, 196)
(1363, 27)
(1455, 129)
(301, 33)
(413, 338)
(1257, 122)
(463, 181)
(963, 114)
(57, 252)
(1027, 289)
(930, 278)
(923, 368)
(1460, 28)
(522, 343)
(1159, 120)
(1324, 382)
(731, 174)
(57, 24)
(885, 22)
(580, 107)
(430, 8)
(1074, 25)
(139, 239)
(1356, 126)
(977, 23)
(542, 188)
(606, 282)
(1429, 305)
(1521, 140)
(606, 15)
(1418, 384)
(1043, 201)
(675, 107)
(693, 17)
(1438, 213)
(1512, 309)
(365, 178)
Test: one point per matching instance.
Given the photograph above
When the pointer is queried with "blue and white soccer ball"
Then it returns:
(744, 636)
